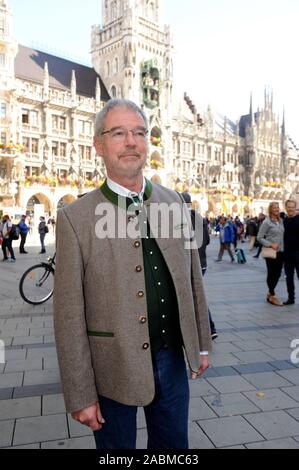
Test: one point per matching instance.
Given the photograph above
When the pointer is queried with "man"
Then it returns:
(226, 238)
(24, 229)
(291, 248)
(7, 240)
(125, 305)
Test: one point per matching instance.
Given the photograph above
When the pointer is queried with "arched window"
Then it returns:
(108, 69)
(113, 91)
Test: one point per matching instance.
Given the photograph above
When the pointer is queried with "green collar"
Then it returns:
(114, 198)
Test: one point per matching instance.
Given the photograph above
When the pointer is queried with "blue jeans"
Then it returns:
(166, 416)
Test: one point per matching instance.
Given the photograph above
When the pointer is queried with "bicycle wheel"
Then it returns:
(37, 283)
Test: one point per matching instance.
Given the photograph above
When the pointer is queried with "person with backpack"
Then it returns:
(24, 229)
(7, 239)
(227, 236)
(42, 230)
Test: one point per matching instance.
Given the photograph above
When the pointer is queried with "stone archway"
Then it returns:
(38, 199)
(65, 201)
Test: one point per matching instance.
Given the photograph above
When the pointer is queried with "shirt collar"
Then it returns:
(122, 191)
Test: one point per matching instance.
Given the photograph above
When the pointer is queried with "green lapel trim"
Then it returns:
(100, 333)
(115, 198)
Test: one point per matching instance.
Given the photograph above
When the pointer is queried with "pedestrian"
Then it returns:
(202, 252)
(270, 235)
(259, 247)
(7, 240)
(24, 229)
(127, 306)
(42, 230)
(226, 237)
(291, 248)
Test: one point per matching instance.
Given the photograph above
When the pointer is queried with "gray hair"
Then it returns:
(112, 104)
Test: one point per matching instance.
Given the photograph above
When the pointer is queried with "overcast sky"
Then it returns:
(224, 49)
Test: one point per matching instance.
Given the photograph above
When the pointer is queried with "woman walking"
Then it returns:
(270, 235)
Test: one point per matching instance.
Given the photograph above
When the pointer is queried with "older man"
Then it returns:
(291, 248)
(128, 300)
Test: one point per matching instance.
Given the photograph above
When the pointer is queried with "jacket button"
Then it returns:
(138, 269)
(136, 244)
(142, 320)
(140, 294)
(145, 346)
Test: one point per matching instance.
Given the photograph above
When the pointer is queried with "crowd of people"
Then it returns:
(17, 233)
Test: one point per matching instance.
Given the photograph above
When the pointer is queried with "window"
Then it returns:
(3, 110)
(55, 149)
(115, 66)
(25, 116)
(88, 176)
(26, 143)
(35, 171)
(34, 118)
(88, 153)
(58, 122)
(3, 138)
(108, 69)
(34, 146)
(2, 59)
(63, 149)
(113, 91)
(88, 128)
(81, 126)
(81, 152)
(62, 123)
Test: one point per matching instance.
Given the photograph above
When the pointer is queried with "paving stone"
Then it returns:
(141, 423)
(274, 424)
(288, 443)
(250, 335)
(77, 429)
(42, 352)
(5, 393)
(271, 399)
(253, 356)
(199, 409)
(222, 360)
(249, 345)
(24, 365)
(35, 390)
(266, 380)
(200, 387)
(86, 442)
(20, 408)
(197, 438)
(234, 384)
(223, 348)
(230, 404)
(49, 376)
(253, 367)
(294, 413)
(225, 371)
(15, 354)
(14, 333)
(232, 447)
(279, 353)
(28, 446)
(282, 365)
(41, 331)
(25, 340)
(275, 333)
(223, 336)
(53, 404)
(211, 372)
(50, 363)
(6, 433)
(282, 342)
(41, 428)
(230, 431)
(292, 392)
(291, 375)
(11, 380)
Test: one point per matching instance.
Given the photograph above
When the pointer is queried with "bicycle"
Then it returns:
(37, 283)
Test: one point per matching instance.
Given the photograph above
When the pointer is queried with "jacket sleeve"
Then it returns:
(72, 343)
(262, 234)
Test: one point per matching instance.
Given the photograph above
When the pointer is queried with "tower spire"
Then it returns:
(251, 110)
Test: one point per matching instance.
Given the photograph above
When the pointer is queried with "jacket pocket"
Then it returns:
(104, 334)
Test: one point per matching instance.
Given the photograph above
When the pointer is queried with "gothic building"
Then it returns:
(48, 107)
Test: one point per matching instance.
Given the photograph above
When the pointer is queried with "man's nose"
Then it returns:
(130, 139)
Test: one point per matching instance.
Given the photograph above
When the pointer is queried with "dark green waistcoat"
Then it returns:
(162, 306)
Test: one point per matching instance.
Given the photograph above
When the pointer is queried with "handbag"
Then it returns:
(268, 252)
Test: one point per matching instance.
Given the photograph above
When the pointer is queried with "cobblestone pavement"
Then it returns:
(249, 398)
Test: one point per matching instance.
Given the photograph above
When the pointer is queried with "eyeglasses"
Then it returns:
(120, 134)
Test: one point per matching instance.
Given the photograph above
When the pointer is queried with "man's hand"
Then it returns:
(204, 364)
(275, 246)
(90, 416)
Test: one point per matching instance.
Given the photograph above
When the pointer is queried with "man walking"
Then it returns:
(291, 248)
(127, 307)
(24, 229)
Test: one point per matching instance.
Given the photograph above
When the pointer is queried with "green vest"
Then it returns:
(162, 306)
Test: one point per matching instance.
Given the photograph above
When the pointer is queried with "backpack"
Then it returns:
(46, 229)
(15, 232)
(241, 258)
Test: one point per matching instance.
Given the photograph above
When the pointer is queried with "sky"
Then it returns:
(223, 49)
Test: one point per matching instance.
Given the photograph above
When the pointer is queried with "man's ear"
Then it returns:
(97, 143)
